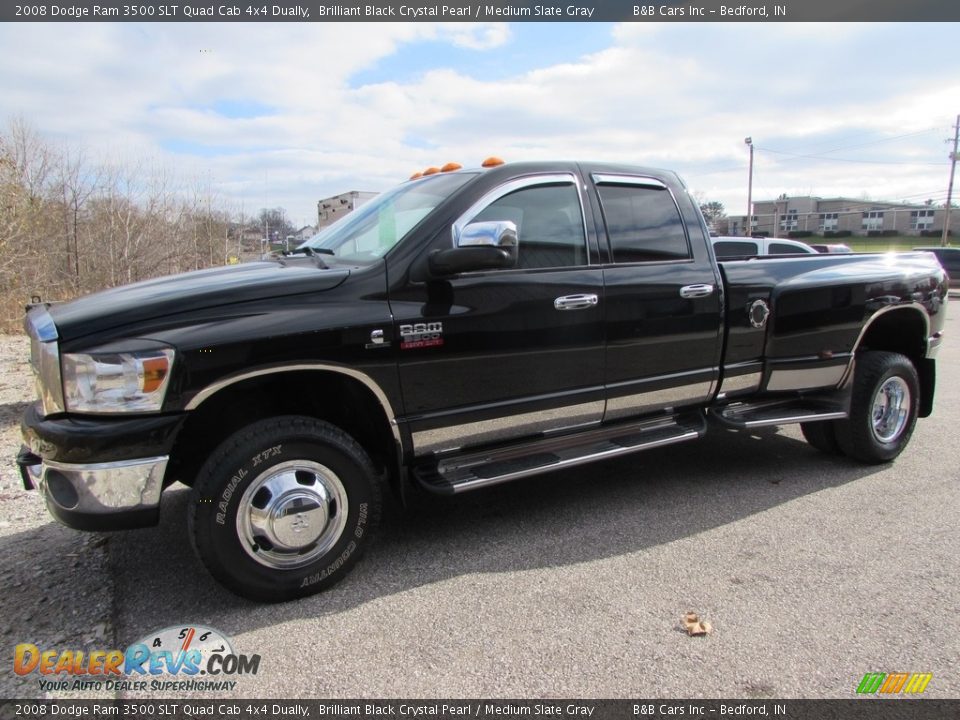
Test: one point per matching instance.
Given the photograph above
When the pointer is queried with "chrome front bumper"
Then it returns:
(98, 496)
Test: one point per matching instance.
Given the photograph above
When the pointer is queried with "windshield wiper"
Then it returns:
(312, 250)
(308, 253)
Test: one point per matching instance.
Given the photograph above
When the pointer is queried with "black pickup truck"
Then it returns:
(469, 327)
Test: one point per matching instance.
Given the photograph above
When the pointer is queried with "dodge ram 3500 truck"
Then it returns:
(466, 328)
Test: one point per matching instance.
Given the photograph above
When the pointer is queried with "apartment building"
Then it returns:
(333, 208)
(829, 215)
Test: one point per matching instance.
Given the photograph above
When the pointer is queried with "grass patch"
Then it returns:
(896, 243)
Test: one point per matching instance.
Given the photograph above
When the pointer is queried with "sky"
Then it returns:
(283, 114)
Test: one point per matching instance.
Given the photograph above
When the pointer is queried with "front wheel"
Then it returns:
(283, 508)
(883, 408)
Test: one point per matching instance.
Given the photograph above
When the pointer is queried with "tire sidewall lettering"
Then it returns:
(258, 460)
(223, 506)
(227, 506)
(314, 578)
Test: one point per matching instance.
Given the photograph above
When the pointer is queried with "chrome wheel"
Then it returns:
(292, 514)
(884, 404)
(891, 409)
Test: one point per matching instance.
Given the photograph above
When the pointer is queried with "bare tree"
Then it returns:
(70, 226)
(714, 213)
(76, 183)
(275, 223)
(26, 163)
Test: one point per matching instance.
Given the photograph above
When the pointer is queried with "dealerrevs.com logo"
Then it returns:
(178, 658)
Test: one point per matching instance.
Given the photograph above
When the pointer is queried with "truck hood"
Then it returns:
(190, 291)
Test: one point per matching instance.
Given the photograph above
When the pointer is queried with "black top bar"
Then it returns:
(482, 11)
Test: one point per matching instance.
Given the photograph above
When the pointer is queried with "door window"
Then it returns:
(549, 224)
(643, 223)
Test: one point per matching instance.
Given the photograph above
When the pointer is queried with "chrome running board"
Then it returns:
(469, 471)
(778, 412)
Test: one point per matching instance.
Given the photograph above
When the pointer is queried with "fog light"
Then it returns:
(62, 490)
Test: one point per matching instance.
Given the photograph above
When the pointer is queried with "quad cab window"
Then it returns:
(643, 222)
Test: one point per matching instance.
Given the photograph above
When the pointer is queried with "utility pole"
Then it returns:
(243, 227)
(953, 167)
(748, 230)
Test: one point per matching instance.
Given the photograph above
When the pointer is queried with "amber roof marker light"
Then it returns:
(490, 162)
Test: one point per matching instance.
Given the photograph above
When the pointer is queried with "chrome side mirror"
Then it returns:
(493, 233)
(479, 246)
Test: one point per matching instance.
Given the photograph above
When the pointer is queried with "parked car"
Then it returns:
(731, 247)
(949, 258)
(831, 248)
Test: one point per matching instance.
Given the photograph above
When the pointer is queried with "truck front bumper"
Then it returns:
(98, 473)
(97, 496)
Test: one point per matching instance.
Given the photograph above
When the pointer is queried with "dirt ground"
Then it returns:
(52, 579)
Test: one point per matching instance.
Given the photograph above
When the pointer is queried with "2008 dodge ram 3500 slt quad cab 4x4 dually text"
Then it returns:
(466, 328)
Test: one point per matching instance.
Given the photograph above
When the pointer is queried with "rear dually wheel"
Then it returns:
(883, 408)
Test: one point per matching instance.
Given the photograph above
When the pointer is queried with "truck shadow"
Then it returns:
(564, 518)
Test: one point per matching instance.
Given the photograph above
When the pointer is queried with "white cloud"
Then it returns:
(672, 95)
(478, 36)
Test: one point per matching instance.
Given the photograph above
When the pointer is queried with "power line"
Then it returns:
(846, 160)
(932, 195)
(872, 142)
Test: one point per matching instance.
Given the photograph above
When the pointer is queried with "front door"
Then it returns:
(491, 356)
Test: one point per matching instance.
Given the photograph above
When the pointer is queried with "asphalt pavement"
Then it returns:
(812, 570)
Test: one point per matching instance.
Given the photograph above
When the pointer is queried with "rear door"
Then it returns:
(663, 298)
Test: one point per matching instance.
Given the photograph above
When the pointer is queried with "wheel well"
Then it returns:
(338, 399)
(904, 331)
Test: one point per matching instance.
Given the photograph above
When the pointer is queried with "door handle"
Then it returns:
(696, 291)
(575, 302)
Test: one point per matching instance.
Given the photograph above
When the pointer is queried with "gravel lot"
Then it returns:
(812, 570)
(55, 587)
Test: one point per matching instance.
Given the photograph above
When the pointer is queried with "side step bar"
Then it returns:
(778, 412)
(483, 468)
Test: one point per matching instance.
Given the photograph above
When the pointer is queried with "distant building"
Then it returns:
(333, 208)
(305, 233)
(785, 215)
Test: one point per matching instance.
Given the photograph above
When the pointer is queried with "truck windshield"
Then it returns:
(367, 233)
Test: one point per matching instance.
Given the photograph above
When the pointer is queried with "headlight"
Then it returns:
(116, 382)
